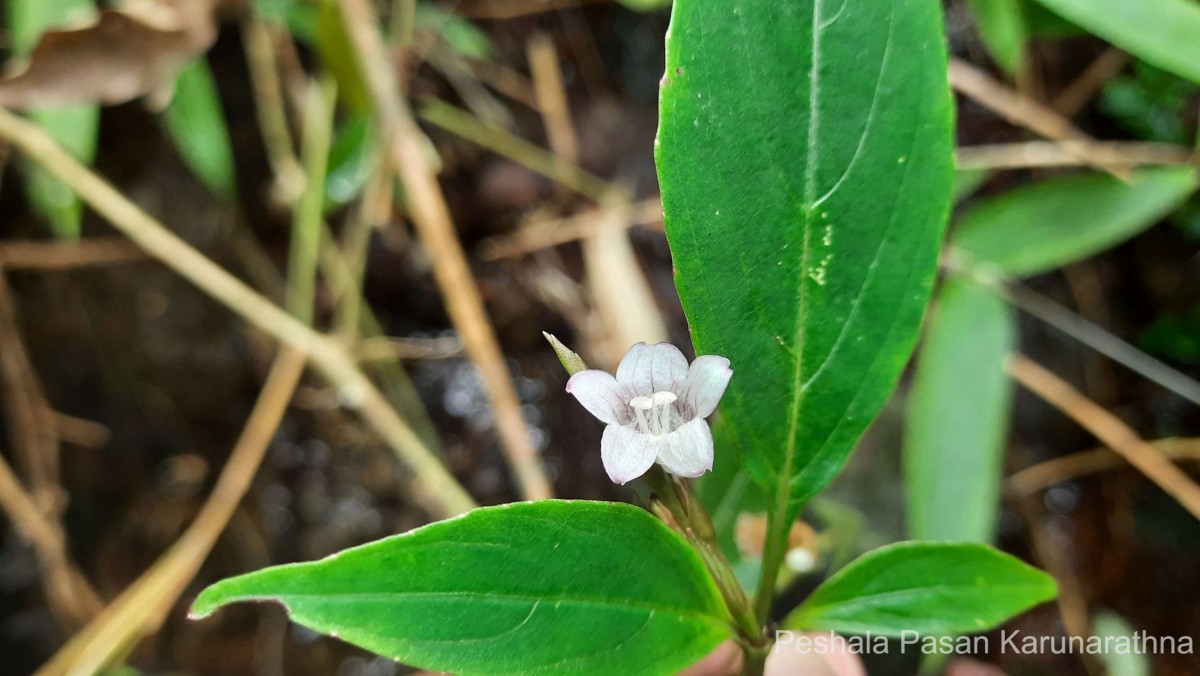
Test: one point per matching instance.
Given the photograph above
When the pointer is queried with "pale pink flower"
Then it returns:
(655, 409)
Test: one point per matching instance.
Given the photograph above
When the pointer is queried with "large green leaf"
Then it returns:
(1162, 32)
(1041, 227)
(544, 587)
(75, 128)
(804, 155)
(196, 123)
(957, 416)
(926, 587)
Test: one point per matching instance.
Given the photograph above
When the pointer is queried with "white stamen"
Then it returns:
(654, 414)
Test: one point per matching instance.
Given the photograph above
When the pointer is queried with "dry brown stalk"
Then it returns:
(1045, 474)
(62, 255)
(1109, 429)
(431, 217)
(1069, 154)
(143, 606)
(1023, 111)
(434, 487)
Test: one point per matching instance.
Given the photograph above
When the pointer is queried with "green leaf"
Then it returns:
(299, 17)
(75, 128)
(1112, 629)
(351, 161)
(645, 5)
(927, 587)
(957, 416)
(1175, 335)
(1148, 101)
(337, 55)
(1041, 227)
(1002, 27)
(804, 155)
(544, 587)
(1162, 32)
(28, 19)
(464, 37)
(196, 124)
(1042, 23)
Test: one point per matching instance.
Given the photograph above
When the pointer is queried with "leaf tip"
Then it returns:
(205, 604)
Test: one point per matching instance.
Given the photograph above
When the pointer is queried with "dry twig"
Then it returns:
(64, 255)
(80, 432)
(1069, 154)
(431, 216)
(545, 234)
(1102, 341)
(258, 41)
(1023, 111)
(528, 155)
(67, 590)
(31, 425)
(1043, 475)
(1108, 429)
(513, 9)
(435, 488)
(141, 608)
(384, 348)
(1072, 99)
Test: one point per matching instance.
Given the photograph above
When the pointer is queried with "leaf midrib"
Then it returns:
(874, 600)
(698, 616)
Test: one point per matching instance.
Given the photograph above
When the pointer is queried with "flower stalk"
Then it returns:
(653, 416)
(689, 517)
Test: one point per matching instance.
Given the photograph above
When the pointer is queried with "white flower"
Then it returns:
(655, 410)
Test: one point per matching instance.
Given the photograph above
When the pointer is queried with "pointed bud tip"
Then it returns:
(572, 362)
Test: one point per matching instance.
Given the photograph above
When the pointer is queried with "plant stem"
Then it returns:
(308, 215)
(677, 506)
(773, 553)
(430, 213)
(693, 521)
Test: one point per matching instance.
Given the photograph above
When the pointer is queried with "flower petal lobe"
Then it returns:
(706, 382)
(600, 394)
(626, 454)
(688, 451)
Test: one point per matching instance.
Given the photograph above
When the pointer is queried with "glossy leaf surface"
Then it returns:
(544, 587)
(804, 157)
(1049, 224)
(927, 587)
(957, 416)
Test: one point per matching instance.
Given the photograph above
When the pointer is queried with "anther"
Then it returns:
(643, 403)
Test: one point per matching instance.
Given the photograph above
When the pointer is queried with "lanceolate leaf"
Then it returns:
(546, 587)
(74, 127)
(927, 587)
(805, 163)
(1041, 227)
(196, 123)
(1162, 32)
(1002, 27)
(957, 416)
